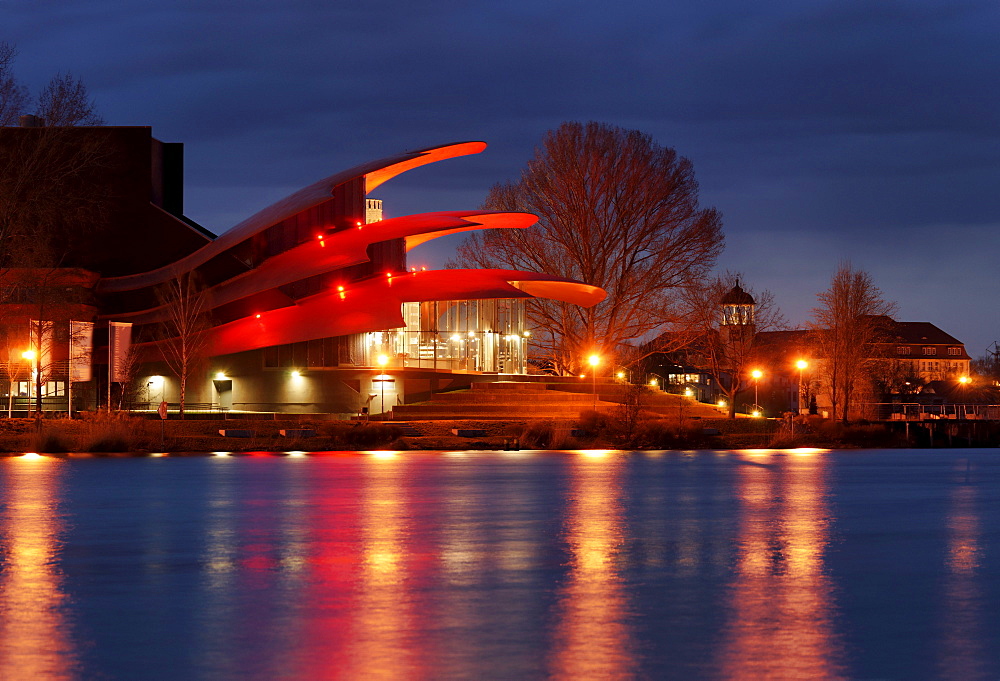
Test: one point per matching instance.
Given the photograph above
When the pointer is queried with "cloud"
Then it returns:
(846, 124)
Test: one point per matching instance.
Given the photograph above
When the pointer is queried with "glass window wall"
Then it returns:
(470, 335)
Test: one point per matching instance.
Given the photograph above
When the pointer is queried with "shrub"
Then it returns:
(593, 423)
(542, 435)
(50, 441)
(537, 435)
(785, 440)
(116, 432)
(370, 435)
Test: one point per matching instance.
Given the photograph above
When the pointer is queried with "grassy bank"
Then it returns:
(116, 433)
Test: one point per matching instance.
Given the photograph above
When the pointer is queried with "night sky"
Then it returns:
(823, 131)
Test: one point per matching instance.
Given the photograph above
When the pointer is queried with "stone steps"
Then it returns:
(429, 412)
(511, 397)
(501, 400)
(563, 400)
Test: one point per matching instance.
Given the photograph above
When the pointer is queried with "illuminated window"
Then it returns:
(903, 350)
(930, 351)
(954, 351)
(49, 389)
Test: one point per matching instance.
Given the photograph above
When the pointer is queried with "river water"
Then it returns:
(502, 565)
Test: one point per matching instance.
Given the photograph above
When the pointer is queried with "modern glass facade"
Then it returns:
(470, 335)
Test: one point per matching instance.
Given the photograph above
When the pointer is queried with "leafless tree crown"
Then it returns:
(65, 101)
(183, 337)
(616, 210)
(46, 188)
(13, 94)
(848, 321)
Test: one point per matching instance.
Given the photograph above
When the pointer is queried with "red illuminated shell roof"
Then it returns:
(374, 172)
(342, 249)
(377, 304)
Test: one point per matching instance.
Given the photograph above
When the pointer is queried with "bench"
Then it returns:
(297, 432)
(235, 432)
(468, 432)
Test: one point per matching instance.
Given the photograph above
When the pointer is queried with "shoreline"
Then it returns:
(120, 433)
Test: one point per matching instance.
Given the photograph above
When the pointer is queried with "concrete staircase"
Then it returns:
(511, 400)
(501, 401)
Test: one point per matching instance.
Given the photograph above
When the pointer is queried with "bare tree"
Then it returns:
(13, 94)
(725, 347)
(184, 340)
(128, 369)
(65, 101)
(47, 174)
(47, 192)
(628, 414)
(616, 210)
(14, 342)
(988, 365)
(847, 324)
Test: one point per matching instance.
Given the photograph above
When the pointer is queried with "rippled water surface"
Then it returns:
(521, 565)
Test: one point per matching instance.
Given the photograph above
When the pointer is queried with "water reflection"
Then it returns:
(592, 637)
(780, 626)
(385, 612)
(963, 654)
(35, 642)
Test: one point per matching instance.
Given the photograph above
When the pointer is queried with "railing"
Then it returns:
(897, 411)
(175, 406)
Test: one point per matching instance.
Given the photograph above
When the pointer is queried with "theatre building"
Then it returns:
(307, 306)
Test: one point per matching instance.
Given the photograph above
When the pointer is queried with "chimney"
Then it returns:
(32, 121)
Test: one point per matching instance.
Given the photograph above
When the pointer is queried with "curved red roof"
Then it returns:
(374, 172)
(377, 304)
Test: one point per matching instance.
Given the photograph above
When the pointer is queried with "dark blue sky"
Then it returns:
(823, 131)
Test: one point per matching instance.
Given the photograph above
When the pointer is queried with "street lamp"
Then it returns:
(594, 361)
(962, 382)
(382, 361)
(30, 356)
(756, 373)
(801, 365)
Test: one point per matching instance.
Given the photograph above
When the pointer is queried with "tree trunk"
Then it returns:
(183, 382)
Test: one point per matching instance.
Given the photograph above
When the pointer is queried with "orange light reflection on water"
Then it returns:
(781, 611)
(962, 655)
(385, 611)
(34, 639)
(592, 638)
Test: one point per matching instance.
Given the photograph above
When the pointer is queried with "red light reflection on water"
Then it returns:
(592, 638)
(780, 624)
(34, 640)
(368, 633)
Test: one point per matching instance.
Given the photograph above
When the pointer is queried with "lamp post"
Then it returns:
(30, 356)
(594, 361)
(382, 361)
(962, 382)
(801, 366)
(756, 373)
